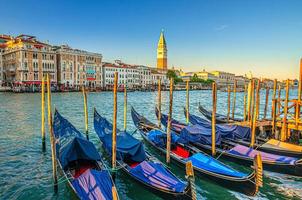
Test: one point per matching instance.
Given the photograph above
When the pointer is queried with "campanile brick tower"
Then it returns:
(162, 53)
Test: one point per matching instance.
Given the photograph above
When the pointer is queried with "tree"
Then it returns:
(196, 79)
(172, 74)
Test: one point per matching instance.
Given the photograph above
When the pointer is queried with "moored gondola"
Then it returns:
(203, 164)
(81, 163)
(243, 137)
(220, 119)
(140, 165)
(200, 137)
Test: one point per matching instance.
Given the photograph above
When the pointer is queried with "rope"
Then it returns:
(220, 154)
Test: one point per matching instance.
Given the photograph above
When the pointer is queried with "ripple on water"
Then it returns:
(26, 171)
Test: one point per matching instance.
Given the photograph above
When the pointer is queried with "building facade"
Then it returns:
(25, 61)
(78, 68)
(128, 75)
(241, 81)
(162, 53)
(159, 75)
(224, 78)
(145, 77)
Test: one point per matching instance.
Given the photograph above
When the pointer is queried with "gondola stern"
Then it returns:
(258, 170)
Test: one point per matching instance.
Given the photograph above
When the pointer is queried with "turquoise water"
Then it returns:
(26, 172)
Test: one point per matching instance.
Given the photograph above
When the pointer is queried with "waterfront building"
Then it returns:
(145, 77)
(25, 60)
(159, 75)
(162, 59)
(202, 75)
(78, 68)
(266, 82)
(224, 78)
(128, 75)
(3, 40)
(241, 81)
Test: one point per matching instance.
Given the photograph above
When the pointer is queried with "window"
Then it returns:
(35, 56)
(36, 76)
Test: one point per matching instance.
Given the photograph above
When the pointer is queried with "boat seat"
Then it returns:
(83, 168)
(133, 164)
(180, 151)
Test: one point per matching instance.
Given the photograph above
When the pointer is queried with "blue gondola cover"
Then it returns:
(155, 174)
(70, 144)
(227, 131)
(197, 133)
(93, 184)
(208, 163)
(160, 138)
(126, 144)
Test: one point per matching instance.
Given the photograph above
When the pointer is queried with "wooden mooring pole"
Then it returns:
(234, 99)
(249, 100)
(300, 81)
(258, 99)
(51, 134)
(114, 120)
(85, 111)
(187, 101)
(274, 107)
(254, 120)
(229, 103)
(279, 99)
(244, 103)
(214, 96)
(125, 108)
(284, 124)
(252, 103)
(274, 93)
(43, 113)
(266, 102)
(159, 103)
(169, 122)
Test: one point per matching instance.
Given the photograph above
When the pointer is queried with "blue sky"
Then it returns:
(264, 37)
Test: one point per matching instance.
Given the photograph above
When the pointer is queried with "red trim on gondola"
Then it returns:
(181, 152)
(82, 169)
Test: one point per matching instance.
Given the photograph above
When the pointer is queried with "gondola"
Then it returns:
(201, 138)
(81, 163)
(203, 165)
(220, 119)
(243, 137)
(140, 165)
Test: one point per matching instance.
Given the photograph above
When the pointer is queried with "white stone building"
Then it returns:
(145, 77)
(127, 75)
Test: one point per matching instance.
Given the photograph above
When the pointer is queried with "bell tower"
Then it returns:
(162, 52)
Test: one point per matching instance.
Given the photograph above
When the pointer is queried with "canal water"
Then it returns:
(26, 172)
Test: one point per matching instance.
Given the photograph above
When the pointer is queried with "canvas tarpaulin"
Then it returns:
(94, 184)
(126, 145)
(227, 131)
(155, 174)
(71, 145)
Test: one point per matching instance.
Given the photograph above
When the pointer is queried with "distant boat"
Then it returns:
(81, 163)
(138, 164)
(220, 119)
